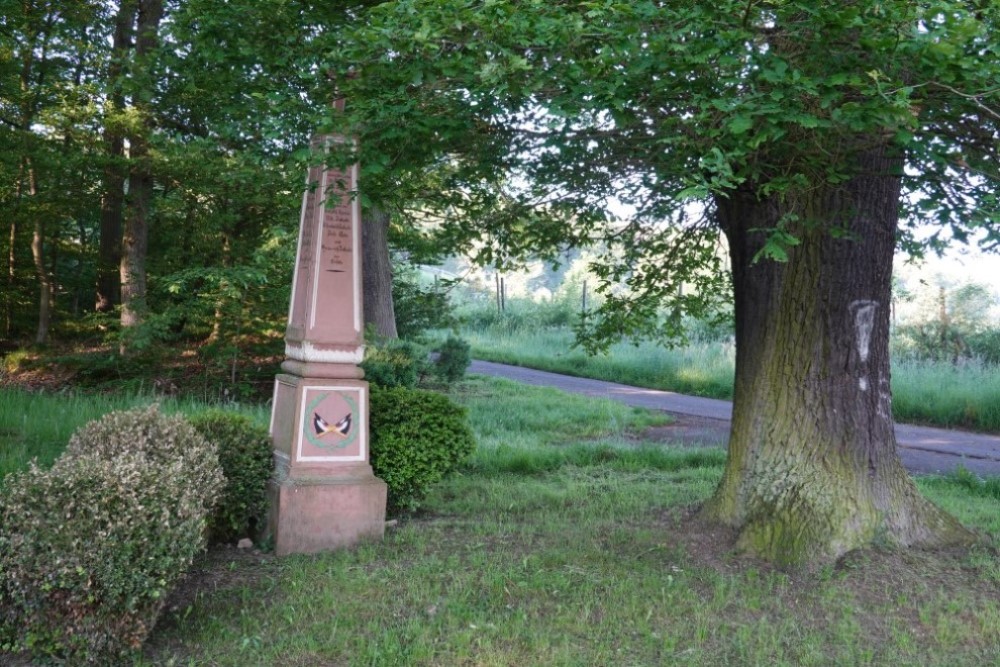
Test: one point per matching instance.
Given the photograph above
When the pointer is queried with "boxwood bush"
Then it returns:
(90, 549)
(245, 455)
(417, 437)
(165, 440)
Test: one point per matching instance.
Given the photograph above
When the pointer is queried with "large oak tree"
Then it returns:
(815, 137)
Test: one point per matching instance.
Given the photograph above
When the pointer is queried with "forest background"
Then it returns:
(151, 171)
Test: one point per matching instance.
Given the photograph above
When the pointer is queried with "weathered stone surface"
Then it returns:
(324, 495)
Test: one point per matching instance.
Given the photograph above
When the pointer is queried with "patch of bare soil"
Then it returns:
(221, 569)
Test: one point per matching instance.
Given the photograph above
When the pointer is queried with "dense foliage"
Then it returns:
(90, 549)
(417, 437)
(453, 359)
(245, 456)
(662, 106)
(395, 363)
(188, 233)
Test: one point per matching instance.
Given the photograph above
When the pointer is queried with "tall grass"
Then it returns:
(700, 369)
(928, 392)
(38, 426)
(940, 393)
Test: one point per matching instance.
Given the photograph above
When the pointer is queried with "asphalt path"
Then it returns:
(705, 421)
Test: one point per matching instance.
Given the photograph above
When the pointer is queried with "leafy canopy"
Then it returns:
(565, 107)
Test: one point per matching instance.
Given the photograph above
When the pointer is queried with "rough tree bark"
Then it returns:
(38, 256)
(377, 273)
(108, 289)
(813, 469)
(136, 232)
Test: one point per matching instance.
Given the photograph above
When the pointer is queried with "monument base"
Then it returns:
(317, 514)
(324, 495)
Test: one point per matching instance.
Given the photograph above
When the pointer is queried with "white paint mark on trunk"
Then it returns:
(864, 323)
(863, 383)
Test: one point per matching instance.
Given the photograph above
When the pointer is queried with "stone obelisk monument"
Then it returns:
(324, 494)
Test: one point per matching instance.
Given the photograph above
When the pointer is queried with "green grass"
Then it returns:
(926, 392)
(548, 549)
(567, 540)
(963, 396)
(38, 425)
(700, 369)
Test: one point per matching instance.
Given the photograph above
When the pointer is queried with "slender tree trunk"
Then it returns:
(108, 292)
(376, 273)
(813, 469)
(135, 242)
(220, 304)
(136, 232)
(38, 255)
(11, 274)
(12, 252)
(34, 50)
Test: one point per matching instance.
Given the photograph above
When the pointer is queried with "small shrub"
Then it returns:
(89, 551)
(417, 437)
(245, 456)
(453, 359)
(395, 364)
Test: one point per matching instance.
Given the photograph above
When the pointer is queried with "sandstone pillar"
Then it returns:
(324, 494)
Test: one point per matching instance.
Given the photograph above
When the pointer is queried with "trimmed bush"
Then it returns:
(165, 440)
(245, 456)
(453, 359)
(417, 437)
(90, 549)
(89, 552)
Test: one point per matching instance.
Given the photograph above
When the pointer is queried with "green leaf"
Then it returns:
(740, 124)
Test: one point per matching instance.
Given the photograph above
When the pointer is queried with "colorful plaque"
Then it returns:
(331, 424)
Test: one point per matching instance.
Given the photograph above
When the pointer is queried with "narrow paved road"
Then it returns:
(706, 421)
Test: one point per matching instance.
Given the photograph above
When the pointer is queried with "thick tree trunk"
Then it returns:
(377, 274)
(136, 232)
(813, 470)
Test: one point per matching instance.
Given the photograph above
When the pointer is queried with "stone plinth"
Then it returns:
(323, 494)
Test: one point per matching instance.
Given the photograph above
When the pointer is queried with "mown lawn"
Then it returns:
(564, 542)
(569, 540)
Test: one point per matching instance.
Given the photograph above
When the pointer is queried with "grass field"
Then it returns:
(937, 393)
(568, 539)
(36, 425)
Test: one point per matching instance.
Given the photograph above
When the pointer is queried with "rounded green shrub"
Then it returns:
(453, 359)
(417, 437)
(246, 459)
(90, 549)
(89, 552)
(165, 440)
